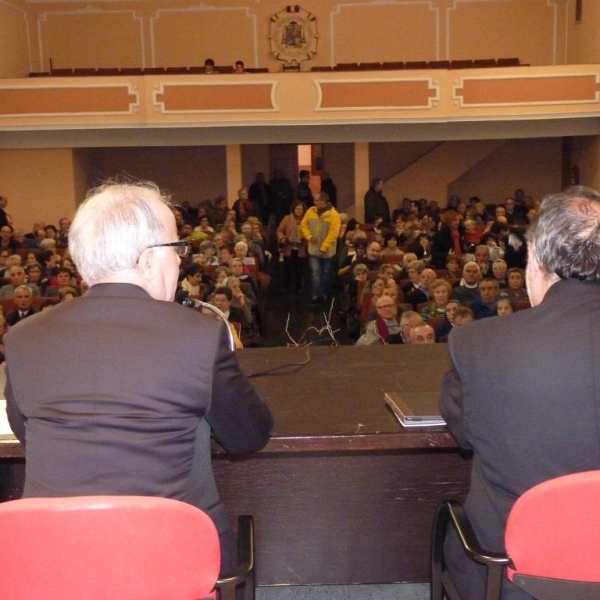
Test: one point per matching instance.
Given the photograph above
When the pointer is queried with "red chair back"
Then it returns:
(107, 547)
(553, 530)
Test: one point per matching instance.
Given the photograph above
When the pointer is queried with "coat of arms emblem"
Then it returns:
(293, 35)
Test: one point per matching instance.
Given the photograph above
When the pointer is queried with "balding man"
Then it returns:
(422, 335)
(23, 304)
(467, 289)
(17, 277)
(523, 392)
(386, 323)
(485, 305)
(141, 383)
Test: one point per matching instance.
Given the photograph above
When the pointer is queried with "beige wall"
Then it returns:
(533, 165)
(14, 51)
(586, 155)
(190, 174)
(40, 184)
(583, 45)
(185, 32)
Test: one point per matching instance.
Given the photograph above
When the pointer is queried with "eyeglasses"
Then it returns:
(182, 248)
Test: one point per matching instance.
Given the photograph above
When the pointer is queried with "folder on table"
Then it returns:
(415, 409)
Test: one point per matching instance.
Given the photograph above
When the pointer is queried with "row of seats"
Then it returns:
(110, 71)
(424, 64)
(200, 70)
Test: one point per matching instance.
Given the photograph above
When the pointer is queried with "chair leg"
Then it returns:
(440, 524)
(243, 581)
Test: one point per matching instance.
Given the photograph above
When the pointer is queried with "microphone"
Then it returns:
(194, 303)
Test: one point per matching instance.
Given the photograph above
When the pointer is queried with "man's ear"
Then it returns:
(146, 264)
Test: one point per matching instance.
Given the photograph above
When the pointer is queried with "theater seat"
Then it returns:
(117, 547)
(552, 542)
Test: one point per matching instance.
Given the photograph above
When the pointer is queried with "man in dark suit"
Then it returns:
(523, 391)
(126, 400)
(23, 299)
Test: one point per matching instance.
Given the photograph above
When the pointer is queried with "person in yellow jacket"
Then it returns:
(321, 227)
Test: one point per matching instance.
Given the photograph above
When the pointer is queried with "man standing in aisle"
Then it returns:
(376, 205)
(523, 392)
(127, 400)
(321, 227)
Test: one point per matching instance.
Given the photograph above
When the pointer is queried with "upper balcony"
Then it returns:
(352, 106)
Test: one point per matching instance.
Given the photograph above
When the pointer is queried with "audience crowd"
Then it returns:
(405, 276)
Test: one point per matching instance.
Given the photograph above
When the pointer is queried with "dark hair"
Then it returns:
(209, 62)
(298, 203)
(46, 256)
(223, 289)
(64, 270)
(388, 236)
(304, 173)
(565, 236)
(193, 269)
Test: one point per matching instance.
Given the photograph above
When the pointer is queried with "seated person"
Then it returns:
(389, 271)
(440, 292)
(504, 307)
(23, 303)
(67, 293)
(463, 316)
(467, 290)
(238, 270)
(442, 331)
(485, 306)
(207, 254)
(422, 334)
(242, 296)
(499, 269)
(236, 338)
(419, 292)
(386, 324)
(222, 298)
(515, 291)
(192, 280)
(16, 276)
(408, 320)
(391, 245)
(221, 274)
(34, 276)
(421, 246)
(350, 255)
(453, 267)
(62, 279)
(371, 292)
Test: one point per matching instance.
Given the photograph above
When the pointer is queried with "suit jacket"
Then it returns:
(126, 399)
(14, 317)
(523, 393)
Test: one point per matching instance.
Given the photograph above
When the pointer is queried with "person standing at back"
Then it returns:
(125, 401)
(523, 392)
(320, 228)
(376, 205)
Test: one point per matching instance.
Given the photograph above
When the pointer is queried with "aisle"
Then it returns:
(305, 321)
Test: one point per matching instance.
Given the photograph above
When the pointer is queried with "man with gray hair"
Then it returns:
(127, 400)
(523, 392)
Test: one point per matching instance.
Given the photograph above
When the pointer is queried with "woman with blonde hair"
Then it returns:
(440, 293)
(293, 246)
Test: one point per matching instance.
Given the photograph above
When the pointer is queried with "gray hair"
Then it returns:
(565, 236)
(113, 226)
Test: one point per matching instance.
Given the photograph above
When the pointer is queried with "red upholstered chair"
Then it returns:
(110, 547)
(552, 541)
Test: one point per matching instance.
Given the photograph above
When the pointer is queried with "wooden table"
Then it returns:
(342, 493)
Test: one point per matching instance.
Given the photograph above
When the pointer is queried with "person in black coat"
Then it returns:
(376, 205)
(523, 392)
(127, 398)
